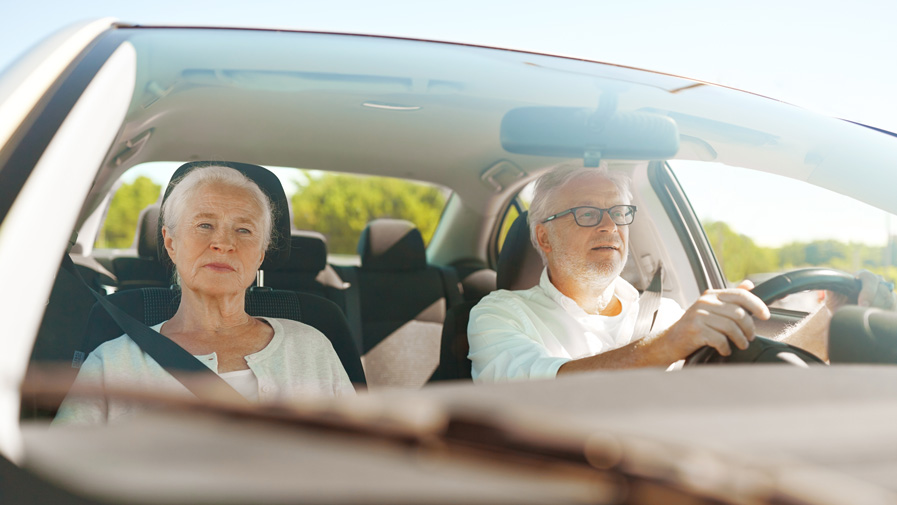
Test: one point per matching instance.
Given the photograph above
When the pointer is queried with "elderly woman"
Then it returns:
(216, 227)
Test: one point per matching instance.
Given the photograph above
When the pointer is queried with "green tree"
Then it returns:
(121, 219)
(890, 252)
(738, 255)
(340, 206)
(822, 252)
(831, 253)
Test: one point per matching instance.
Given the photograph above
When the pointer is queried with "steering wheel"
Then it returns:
(763, 349)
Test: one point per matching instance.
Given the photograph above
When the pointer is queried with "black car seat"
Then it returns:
(94, 273)
(403, 304)
(477, 279)
(144, 271)
(519, 267)
(519, 263)
(307, 271)
(151, 304)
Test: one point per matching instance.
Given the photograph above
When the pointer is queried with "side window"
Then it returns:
(337, 205)
(133, 195)
(761, 224)
(341, 205)
(518, 205)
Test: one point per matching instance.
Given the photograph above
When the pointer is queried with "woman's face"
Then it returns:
(218, 247)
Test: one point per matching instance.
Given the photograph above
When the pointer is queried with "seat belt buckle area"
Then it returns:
(78, 359)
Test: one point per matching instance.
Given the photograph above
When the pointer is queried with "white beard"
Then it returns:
(596, 275)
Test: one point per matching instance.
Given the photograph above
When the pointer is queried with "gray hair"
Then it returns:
(185, 187)
(547, 186)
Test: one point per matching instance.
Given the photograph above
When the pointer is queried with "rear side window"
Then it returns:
(337, 205)
(133, 195)
(517, 206)
(341, 205)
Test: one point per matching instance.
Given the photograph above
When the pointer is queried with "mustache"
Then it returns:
(611, 243)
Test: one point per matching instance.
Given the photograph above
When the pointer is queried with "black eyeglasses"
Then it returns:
(590, 216)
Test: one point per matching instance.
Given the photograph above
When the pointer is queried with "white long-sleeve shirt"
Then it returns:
(529, 334)
(299, 361)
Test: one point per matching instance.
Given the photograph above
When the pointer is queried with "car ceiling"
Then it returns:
(315, 101)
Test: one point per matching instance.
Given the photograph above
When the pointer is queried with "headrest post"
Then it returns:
(260, 278)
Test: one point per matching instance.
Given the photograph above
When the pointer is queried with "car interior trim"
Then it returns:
(27, 145)
(495, 239)
(687, 226)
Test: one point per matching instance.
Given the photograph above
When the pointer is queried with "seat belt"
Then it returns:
(648, 304)
(182, 365)
(453, 297)
(352, 294)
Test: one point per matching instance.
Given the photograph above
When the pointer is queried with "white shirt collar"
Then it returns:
(624, 291)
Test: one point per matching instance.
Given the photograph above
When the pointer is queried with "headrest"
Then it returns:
(392, 244)
(478, 284)
(519, 264)
(145, 238)
(279, 250)
(308, 252)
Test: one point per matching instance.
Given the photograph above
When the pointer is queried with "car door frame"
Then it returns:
(707, 270)
(48, 157)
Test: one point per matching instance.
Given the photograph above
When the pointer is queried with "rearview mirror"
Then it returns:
(578, 132)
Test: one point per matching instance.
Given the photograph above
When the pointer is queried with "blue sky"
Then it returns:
(831, 57)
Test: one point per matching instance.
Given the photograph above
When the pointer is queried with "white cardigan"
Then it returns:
(298, 362)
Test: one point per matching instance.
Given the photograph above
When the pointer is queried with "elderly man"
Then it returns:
(582, 314)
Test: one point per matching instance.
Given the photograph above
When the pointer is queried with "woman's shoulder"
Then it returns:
(291, 329)
(121, 344)
(115, 347)
(299, 339)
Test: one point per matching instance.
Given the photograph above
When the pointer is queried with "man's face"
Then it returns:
(594, 255)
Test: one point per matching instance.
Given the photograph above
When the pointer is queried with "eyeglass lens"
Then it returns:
(591, 216)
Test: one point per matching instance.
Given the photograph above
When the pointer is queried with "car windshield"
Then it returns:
(749, 218)
(397, 173)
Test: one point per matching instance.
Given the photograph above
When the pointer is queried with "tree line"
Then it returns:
(740, 257)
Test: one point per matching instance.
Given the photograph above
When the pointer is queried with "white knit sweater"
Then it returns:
(298, 362)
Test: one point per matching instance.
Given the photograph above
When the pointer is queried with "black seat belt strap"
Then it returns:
(451, 287)
(648, 304)
(352, 293)
(182, 365)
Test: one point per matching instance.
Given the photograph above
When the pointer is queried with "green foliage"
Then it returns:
(121, 219)
(739, 256)
(340, 206)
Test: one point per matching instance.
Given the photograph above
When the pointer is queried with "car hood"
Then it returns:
(734, 433)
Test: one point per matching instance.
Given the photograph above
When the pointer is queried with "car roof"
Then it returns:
(432, 111)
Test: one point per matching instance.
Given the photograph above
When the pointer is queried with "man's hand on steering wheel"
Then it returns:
(865, 288)
(874, 292)
(718, 318)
